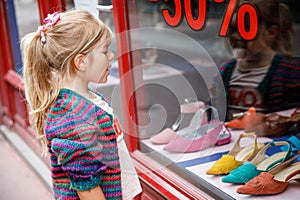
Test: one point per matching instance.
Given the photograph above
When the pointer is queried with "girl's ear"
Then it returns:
(79, 62)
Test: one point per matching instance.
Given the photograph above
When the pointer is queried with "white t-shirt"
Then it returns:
(243, 90)
(129, 179)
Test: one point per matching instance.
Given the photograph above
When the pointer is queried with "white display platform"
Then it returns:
(292, 192)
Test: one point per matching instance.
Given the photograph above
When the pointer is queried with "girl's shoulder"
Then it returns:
(71, 110)
(68, 104)
(228, 64)
(286, 61)
(226, 68)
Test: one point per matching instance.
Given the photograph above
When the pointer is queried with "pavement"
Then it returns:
(20, 179)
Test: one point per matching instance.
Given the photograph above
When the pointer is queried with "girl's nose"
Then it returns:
(111, 55)
(235, 36)
(236, 40)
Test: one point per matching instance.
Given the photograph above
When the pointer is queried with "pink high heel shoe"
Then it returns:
(168, 134)
(201, 137)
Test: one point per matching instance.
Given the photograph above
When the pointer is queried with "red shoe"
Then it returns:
(244, 120)
(273, 182)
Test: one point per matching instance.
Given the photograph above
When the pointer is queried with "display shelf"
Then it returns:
(192, 167)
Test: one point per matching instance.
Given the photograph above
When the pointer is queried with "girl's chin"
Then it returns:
(104, 78)
(239, 53)
(102, 81)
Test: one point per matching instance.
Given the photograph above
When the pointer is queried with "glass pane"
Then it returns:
(177, 63)
(174, 66)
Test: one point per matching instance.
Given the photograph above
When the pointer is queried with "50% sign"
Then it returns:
(243, 11)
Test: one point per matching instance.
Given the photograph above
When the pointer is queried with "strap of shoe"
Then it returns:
(283, 165)
(261, 154)
(237, 147)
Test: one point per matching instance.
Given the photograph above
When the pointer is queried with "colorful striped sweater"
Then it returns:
(281, 85)
(83, 147)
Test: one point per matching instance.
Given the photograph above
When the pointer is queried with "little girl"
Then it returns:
(76, 125)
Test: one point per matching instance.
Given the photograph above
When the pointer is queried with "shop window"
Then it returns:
(177, 65)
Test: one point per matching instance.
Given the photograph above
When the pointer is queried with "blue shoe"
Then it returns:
(242, 174)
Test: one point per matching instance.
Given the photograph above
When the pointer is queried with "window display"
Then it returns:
(188, 122)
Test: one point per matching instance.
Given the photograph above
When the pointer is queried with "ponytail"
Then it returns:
(41, 88)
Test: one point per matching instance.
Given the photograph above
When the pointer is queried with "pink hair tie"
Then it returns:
(49, 21)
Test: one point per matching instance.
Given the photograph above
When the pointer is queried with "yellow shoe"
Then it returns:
(224, 165)
(236, 156)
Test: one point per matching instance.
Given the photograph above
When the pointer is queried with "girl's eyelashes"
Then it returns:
(107, 51)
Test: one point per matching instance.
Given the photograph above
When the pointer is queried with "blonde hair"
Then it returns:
(271, 12)
(46, 64)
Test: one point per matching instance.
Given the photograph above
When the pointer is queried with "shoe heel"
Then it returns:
(224, 136)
